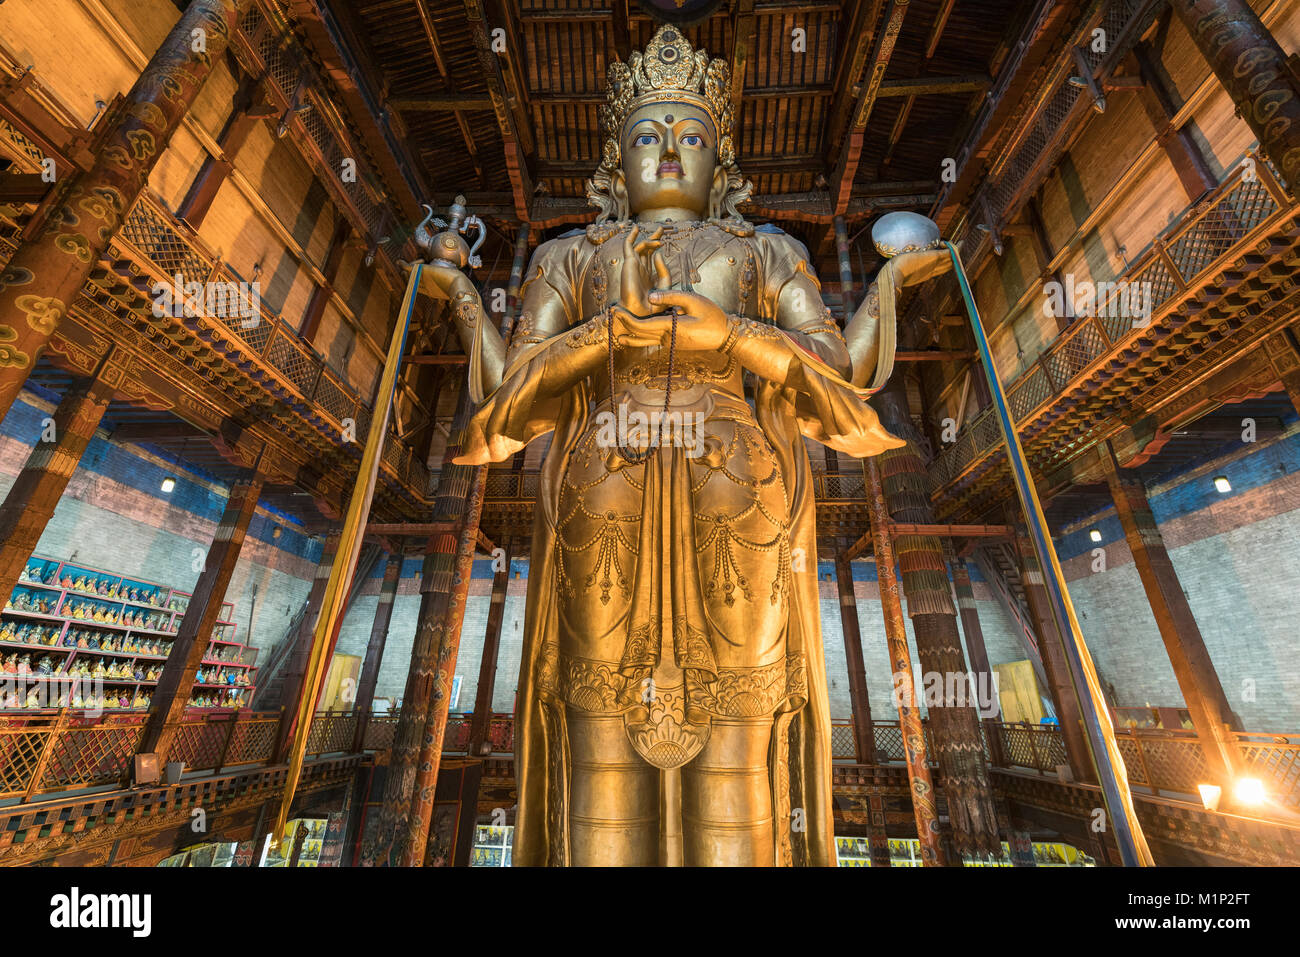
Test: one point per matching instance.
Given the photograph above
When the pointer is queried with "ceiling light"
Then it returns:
(1222, 485)
(1095, 534)
(168, 484)
(1248, 791)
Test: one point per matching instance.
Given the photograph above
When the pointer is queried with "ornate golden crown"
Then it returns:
(669, 69)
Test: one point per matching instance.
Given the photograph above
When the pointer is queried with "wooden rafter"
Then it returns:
(743, 29)
(937, 28)
(921, 85)
(505, 90)
(439, 61)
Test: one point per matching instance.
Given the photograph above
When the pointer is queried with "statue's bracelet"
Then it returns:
(736, 323)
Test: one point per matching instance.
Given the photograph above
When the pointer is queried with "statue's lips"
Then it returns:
(670, 169)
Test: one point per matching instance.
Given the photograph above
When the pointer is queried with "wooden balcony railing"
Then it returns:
(47, 751)
(1246, 206)
(161, 247)
(1169, 761)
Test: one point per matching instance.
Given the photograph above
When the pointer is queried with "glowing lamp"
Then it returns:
(1210, 794)
(1094, 534)
(1248, 791)
(168, 484)
(1222, 485)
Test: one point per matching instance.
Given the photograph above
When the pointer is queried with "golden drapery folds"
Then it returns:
(553, 383)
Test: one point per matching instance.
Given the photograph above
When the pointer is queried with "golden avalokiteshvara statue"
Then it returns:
(672, 695)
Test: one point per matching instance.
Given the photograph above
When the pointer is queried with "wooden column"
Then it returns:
(900, 658)
(295, 669)
(46, 274)
(982, 671)
(195, 633)
(1254, 70)
(215, 169)
(36, 491)
(863, 735)
(1197, 679)
(378, 638)
(1051, 649)
(455, 501)
(846, 266)
(1178, 143)
(955, 725)
(480, 740)
(320, 296)
(443, 628)
(877, 835)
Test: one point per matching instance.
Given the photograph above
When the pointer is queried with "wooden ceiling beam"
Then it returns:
(743, 33)
(846, 166)
(504, 89)
(923, 85)
(620, 24)
(937, 28)
(442, 103)
(439, 61)
(158, 431)
(848, 72)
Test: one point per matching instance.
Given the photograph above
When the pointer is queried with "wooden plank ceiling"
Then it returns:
(916, 72)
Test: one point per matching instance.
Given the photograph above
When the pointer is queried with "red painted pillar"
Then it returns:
(296, 667)
(195, 633)
(954, 723)
(1197, 679)
(46, 274)
(863, 736)
(434, 684)
(1051, 647)
(378, 638)
(480, 740)
(1256, 72)
(36, 491)
(900, 658)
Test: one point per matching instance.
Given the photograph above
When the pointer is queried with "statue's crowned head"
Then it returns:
(667, 127)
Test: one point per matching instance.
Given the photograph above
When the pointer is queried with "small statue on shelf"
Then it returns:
(10, 666)
(33, 699)
(25, 665)
(44, 666)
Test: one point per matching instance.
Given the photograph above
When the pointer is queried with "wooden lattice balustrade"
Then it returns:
(42, 752)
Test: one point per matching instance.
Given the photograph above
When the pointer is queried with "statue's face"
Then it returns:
(670, 158)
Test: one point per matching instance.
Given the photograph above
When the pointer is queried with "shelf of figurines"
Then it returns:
(112, 634)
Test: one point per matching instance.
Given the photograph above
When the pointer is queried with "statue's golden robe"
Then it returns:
(672, 634)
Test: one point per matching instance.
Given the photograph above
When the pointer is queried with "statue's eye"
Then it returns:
(645, 139)
(692, 139)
